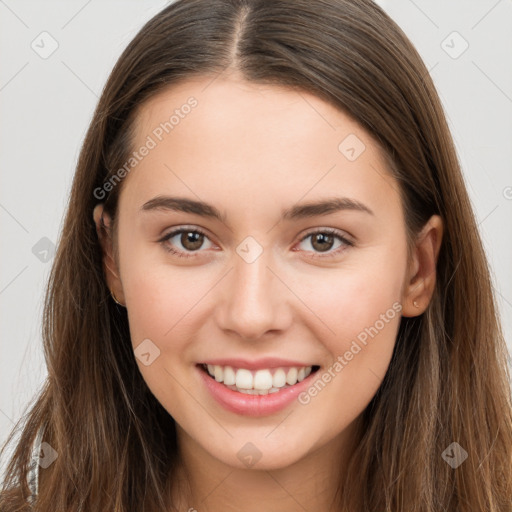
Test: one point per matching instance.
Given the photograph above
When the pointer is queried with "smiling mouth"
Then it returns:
(258, 382)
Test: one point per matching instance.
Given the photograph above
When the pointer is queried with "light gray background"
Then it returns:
(47, 103)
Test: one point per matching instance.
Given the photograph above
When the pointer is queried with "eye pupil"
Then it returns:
(325, 241)
(191, 237)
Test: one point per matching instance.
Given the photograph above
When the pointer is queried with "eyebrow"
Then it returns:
(299, 211)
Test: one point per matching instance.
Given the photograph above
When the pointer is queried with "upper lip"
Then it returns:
(265, 362)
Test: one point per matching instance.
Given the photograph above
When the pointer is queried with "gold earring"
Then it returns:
(416, 305)
(115, 300)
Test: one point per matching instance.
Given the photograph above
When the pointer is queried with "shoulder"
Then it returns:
(33, 472)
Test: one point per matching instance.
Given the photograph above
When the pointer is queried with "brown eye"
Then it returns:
(190, 240)
(322, 241)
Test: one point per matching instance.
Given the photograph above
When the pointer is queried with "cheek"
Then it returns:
(158, 295)
(358, 292)
(357, 309)
(162, 307)
(161, 302)
(363, 315)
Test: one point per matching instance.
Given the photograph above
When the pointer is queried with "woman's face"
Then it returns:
(272, 285)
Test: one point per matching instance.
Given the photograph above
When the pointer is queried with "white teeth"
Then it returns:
(291, 376)
(249, 391)
(218, 373)
(279, 378)
(260, 382)
(263, 380)
(229, 376)
(244, 379)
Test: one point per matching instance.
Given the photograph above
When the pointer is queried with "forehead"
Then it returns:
(220, 136)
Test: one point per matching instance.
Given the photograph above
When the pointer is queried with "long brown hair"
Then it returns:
(448, 379)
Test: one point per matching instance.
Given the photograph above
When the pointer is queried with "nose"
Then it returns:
(254, 300)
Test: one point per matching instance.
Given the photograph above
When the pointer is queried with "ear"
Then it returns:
(421, 275)
(111, 272)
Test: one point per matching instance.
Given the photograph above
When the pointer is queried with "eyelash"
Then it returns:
(328, 231)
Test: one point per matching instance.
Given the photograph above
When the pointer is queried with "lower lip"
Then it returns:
(253, 405)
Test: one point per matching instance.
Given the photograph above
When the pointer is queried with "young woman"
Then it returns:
(270, 292)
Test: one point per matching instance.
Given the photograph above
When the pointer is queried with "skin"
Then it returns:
(253, 150)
